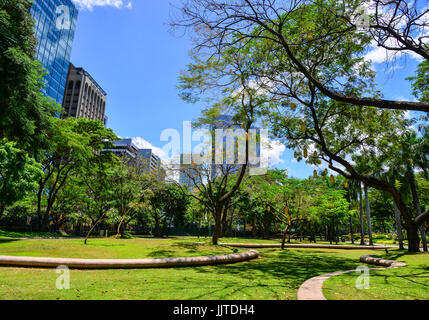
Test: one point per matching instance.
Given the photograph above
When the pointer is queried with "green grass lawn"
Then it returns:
(110, 248)
(276, 274)
(407, 283)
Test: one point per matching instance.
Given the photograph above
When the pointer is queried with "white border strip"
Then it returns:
(125, 263)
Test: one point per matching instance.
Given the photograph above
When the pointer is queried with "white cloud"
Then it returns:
(143, 144)
(274, 150)
(378, 54)
(90, 4)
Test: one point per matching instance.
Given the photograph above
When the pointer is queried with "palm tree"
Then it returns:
(362, 230)
(415, 154)
(398, 226)
(368, 215)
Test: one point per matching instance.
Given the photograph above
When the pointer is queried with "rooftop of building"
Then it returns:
(81, 70)
(148, 153)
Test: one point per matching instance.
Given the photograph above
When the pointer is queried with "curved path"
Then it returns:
(126, 263)
(312, 288)
(299, 245)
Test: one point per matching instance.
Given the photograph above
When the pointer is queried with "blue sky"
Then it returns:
(128, 49)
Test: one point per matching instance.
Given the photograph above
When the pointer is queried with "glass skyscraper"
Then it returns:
(55, 24)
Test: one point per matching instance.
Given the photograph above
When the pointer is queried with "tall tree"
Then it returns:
(322, 25)
(18, 174)
(310, 92)
(73, 144)
(24, 111)
(130, 183)
(368, 215)
(217, 183)
(398, 224)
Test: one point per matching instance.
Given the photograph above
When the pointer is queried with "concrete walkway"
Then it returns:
(126, 263)
(312, 289)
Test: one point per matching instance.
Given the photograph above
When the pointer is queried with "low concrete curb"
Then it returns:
(297, 245)
(382, 262)
(312, 288)
(126, 263)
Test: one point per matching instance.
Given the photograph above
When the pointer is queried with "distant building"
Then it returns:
(225, 122)
(84, 97)
(125, 149)
(189, 174)
(55, 24)
(154, 162)
(128, 151)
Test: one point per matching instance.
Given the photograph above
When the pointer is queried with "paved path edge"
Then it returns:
(312, 289)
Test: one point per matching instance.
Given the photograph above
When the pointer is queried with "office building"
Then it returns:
(129, 152)
(55, 24)
(190, 174)
(154, 162)
(226, 122)
(125, 149)
(84, 97)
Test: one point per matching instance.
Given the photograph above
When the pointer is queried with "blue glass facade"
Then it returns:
(55, 24)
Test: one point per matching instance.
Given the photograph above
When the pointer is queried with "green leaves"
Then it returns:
(420, 82)
(24, 111)
(19, 174)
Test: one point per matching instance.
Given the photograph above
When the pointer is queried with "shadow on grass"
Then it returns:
(418, 275)
(8, 240)
(187, 245)
(287, 269)
(103, 244)
(197, 246)
(162, 254)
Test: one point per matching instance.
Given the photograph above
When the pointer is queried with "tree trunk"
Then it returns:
(398, 226)
(224, 221)
(362, 232)
(39, 209)
(217, 232)
(413, 239)
(266, 228)
(329, 233)
(410, 225)
(336, 234)
(120, 230)
(93, 227)
(199, 227)
(418, 209)
(351, 219)
(284, 236)
(157, 231)
(230, 232)
(368, 215)
(2, 209)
